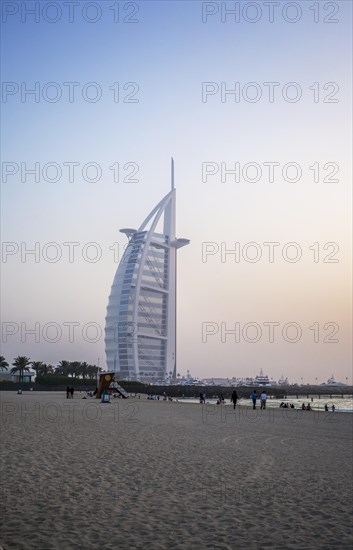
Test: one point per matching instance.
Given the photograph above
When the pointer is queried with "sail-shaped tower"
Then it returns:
(140, 329)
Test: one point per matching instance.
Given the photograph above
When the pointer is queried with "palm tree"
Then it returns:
(63, 368)
(84, 369)
(46, 369)
(37, 366)
(3, 363)
(75, 368)
(49, 369)
(92, 371)
(20, 365)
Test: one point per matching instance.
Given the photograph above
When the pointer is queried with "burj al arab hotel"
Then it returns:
(140, 329)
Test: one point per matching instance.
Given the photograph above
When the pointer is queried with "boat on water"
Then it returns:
(283, 381)
(262, 379)
(332, 382)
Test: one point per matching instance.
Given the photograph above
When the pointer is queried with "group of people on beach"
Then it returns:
(154, 397)
(202, 397)
(263, 399)
(304, 407)
(234, 399)
(221, 400)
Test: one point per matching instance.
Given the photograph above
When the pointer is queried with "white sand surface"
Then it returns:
(79, 474)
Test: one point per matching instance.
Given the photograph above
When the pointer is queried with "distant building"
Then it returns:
(140, 329)
(7, 376)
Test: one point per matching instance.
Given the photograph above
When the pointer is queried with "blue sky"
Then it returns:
(169, 53)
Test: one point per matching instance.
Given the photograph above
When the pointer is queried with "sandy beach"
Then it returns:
(80, 474)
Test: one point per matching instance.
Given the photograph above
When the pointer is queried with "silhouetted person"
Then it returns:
(72, 392)
(234, 398)
(263, 400)
(67, 392)
(254, 397)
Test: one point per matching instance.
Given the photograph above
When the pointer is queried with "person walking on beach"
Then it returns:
(263, 400)
(67, 392)
(254, 397)
(72, 392)
(234, 398)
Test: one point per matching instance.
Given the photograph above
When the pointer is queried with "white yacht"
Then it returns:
(262, 379)
(332, 382)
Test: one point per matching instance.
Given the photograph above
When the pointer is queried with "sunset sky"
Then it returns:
(132, 93)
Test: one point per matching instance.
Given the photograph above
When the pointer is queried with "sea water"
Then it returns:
(344, 404)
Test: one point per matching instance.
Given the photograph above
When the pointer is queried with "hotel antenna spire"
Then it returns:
(172, 172)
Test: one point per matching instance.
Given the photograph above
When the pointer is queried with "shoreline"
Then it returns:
(317, 405)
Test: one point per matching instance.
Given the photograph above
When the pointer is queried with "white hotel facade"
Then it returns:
(140, 329)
